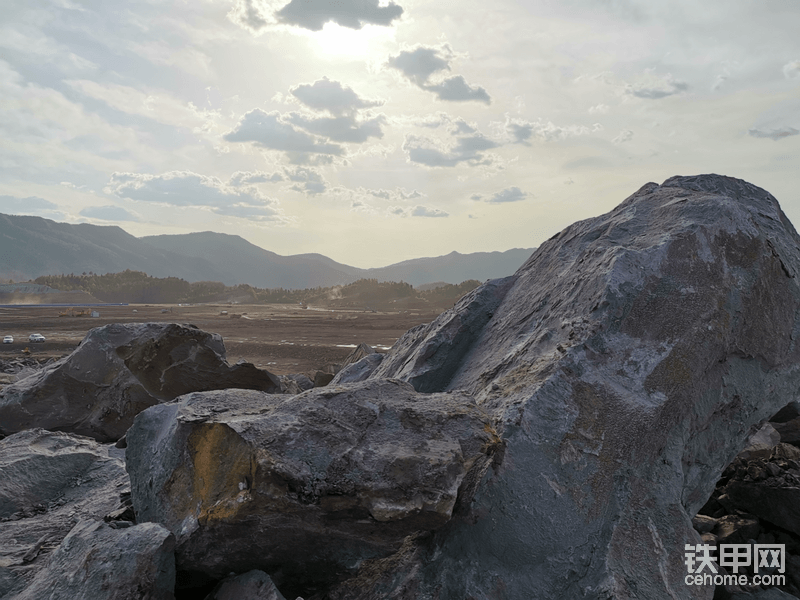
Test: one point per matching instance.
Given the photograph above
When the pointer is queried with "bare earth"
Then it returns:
(278, 337)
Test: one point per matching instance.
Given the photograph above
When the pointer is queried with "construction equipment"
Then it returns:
(73, 312)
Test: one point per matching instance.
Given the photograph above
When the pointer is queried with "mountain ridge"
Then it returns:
(31, 247)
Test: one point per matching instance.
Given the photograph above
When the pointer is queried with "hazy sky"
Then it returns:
(377, 132)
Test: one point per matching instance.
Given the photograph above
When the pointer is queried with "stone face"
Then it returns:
(119, 370)
(96, 562)
(626, 364)
(253, 585)
(49, 481)
(359, 370)
(307, 486)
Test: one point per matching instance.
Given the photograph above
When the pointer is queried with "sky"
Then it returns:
(377, 131)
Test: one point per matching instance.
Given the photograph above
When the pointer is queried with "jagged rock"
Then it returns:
(48, 481)
(626, 363)
(787, 413)
(736, 529)
(304, 487)
(357, 354)
(295, 383)
(778, 505)
(119, 370)
(703, 524)
(427, 356)
(761, 443)
(98, 562)
(321, 378)
(359, 370)
(253, 585)
(789, 431)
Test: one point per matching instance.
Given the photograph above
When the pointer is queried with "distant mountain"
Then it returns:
(33, 246)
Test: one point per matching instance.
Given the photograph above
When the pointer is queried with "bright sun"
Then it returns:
(335, 40)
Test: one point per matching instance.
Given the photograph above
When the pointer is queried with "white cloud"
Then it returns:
(425, 211)
(185, 188)
(249, 178)
(332, 96)
(311, 181)
(653, 87)
(511, 194)
(522, 131)
(427, 152)
(108, 213)
(340, 129)
(32, 205)
(625, 135)
(253, 15)
(268, 130)
(791, 70)
(419, 64)
(599, 109)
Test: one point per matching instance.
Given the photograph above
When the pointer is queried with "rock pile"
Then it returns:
(553, 436)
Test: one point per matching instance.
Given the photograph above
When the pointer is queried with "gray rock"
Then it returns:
(789, 431)
(49, 481)
(427, 356)
(321, 378)
(295, 383)
(778, 505)
(787, 413)
(119, 370)
(253, 585)
(359, 370)
(628, 362)
(304, 487)
(357, 354)
(97, 562)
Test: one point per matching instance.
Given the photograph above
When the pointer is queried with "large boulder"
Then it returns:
(253, 585)
(304, 487)
(97, 562)
(626, 363)
(49, 481)
(119, 370)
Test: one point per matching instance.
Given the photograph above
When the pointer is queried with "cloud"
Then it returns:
(774, 134)
(309, 160)
(247, 178)
(250, 14)
(419, 64)
(654, 88)
(475, 197)
(522, 131)
(108, 213)
(599, 109)
(340, 129)
(791, 70)
(267, 130)
(456, 89)
(468, 149)
(512, 194)
(331, 96)
(32, 205)
(354, 14)
(312, 182)
(425, 211)
(185, 188)
(626, 135)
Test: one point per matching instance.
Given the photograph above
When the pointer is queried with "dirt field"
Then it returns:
(280, 338)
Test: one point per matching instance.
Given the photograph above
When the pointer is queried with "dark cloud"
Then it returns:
(419, 64)
(475, 197)
(247, 178)
(247, 14)
(340, 129)
(354, 14)
(184, 188)
(774, 134)
(108, 213)
(268, 131)
(521, 132)
(331, 96)
(468, 149)
(456, 89)
(512, 194)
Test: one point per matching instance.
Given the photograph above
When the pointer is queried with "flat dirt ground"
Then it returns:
(278, 337)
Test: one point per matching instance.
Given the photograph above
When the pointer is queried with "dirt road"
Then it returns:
(278, 337)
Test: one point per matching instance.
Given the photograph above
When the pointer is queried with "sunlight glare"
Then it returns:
(338, 41)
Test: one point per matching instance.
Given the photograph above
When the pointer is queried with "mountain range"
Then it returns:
(35, 246)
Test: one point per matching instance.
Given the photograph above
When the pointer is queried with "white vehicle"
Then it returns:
(8, 340)
(36, 337)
